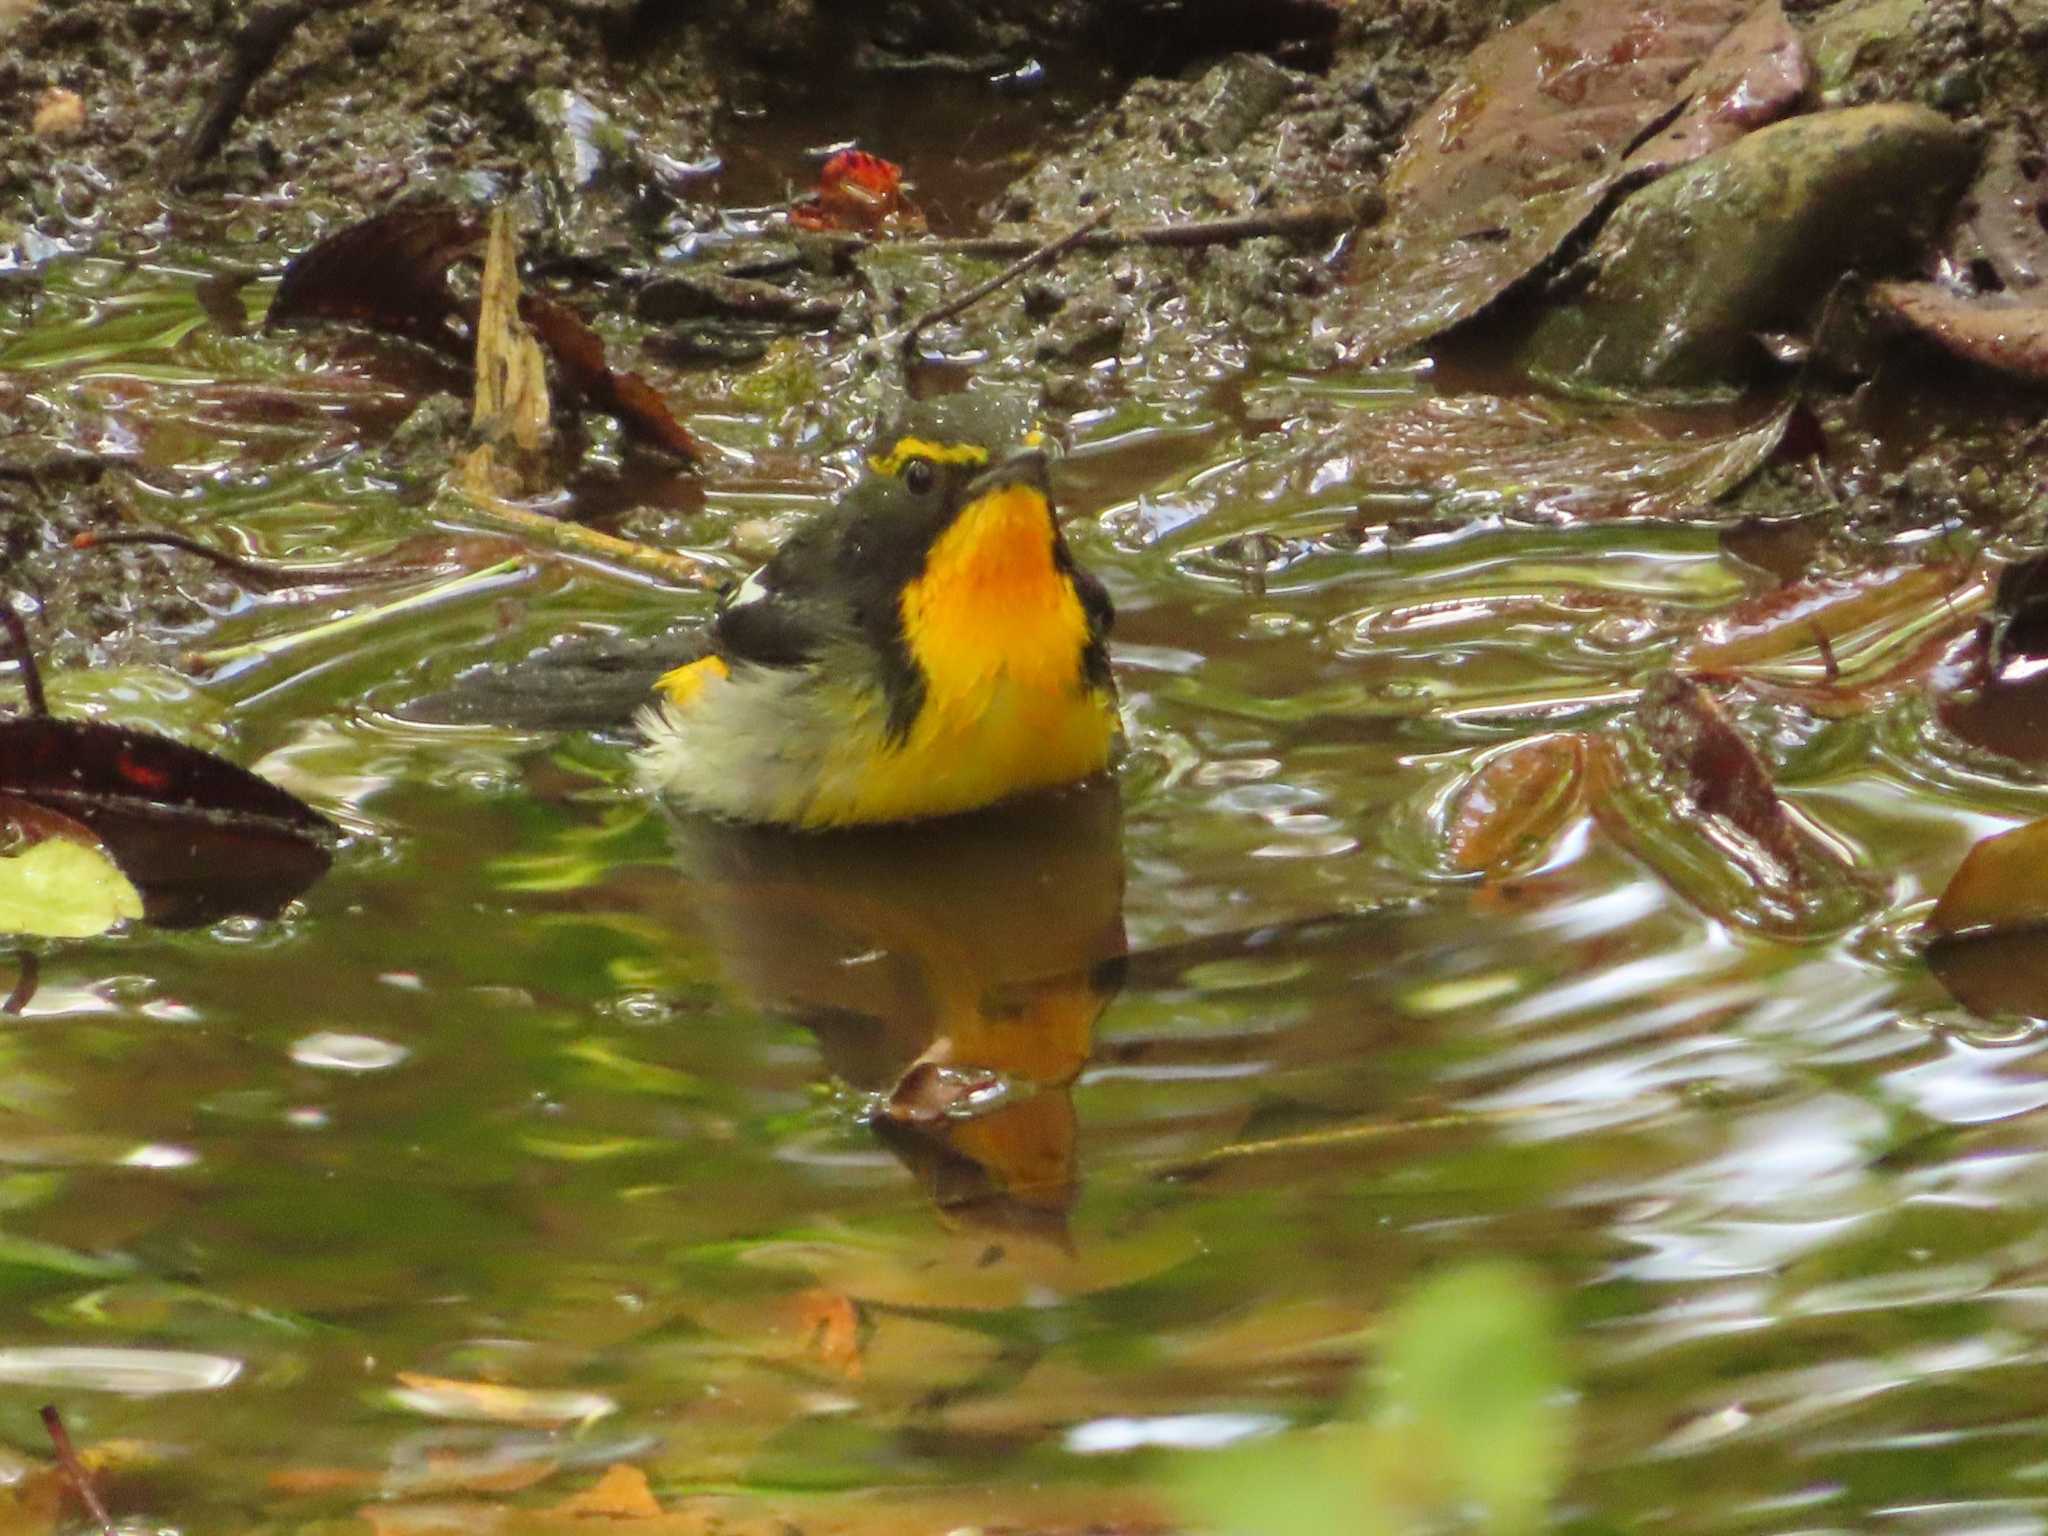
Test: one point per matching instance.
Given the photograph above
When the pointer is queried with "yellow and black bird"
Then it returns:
(924, 647)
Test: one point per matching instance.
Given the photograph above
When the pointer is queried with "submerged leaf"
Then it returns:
(1515, 804)
(1518, 152)
(1795, 615)
(1696, 801)
(1565, 459)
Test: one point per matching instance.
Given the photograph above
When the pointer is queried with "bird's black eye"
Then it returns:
(919, 475)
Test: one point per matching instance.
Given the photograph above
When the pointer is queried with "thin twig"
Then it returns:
(250, 53)
(349, 622)
(1310, 222)
(266, 574)
(575, 539)
(74, 1469)
(24, 653)
(1044, 256)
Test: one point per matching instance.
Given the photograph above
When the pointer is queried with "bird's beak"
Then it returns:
(1024, 469)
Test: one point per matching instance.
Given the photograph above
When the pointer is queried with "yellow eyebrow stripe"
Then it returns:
(908, 448)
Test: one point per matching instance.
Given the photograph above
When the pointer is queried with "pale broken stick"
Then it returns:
(513, 419)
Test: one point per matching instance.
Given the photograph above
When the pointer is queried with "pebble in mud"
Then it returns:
(59, 114)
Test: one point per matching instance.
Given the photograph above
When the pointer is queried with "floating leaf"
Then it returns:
(1517, 153)
(1515, 803)
(829, 1323)
(579, 354)
(621, 1494)
(199, 837)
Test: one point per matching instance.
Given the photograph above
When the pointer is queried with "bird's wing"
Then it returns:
(783, 614)
(591, 682)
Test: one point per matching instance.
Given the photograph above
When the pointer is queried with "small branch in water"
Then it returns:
(261, 573)
(24, 984)
(1313, 222)
(1042, 256)
(254, 49)
(24, 653)
(74, 1469)
(574, 539)
(204, 660)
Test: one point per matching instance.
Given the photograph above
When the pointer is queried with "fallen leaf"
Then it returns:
(1994, 331)
(1998, 885)
(389, 272)
(1695, 800)
(579, 353)
(1562, 459)
(56, 881)
(1510, 809)
(621, 1494)
(1523, 147)
(1758, 73)
(199, 837)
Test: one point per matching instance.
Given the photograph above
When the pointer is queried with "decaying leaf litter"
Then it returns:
(1686, 696)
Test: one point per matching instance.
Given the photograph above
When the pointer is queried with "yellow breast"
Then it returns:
(998, 632)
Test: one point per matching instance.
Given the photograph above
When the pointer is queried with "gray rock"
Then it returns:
(1748, 240)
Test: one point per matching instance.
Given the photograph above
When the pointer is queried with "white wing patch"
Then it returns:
(753, 590)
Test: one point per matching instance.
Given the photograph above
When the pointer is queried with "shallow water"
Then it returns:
(541, 1089)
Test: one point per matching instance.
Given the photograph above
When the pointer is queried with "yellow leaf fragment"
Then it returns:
(1516, 803)
(512, 418)
(443, 1398)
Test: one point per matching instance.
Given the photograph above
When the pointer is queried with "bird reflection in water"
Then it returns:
(955, 968)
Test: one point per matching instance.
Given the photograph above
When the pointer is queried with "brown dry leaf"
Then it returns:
(621, 1494)
(1788, 618)
(1517, 153)
(579, 353)
(2003, 223)
(1513, 806)
(1995, 331)
(1757, 74)
(1999, 884)
(830, 1324)
(1538, 457)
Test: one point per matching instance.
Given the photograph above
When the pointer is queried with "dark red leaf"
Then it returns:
(200, 837)
(1994, 332)
(390, 272)
(579, 355)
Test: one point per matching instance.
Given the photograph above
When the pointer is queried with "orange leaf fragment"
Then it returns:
(1516, 803)
(830, 1324)
(621, 1494)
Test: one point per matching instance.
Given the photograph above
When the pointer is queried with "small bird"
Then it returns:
(925, 647)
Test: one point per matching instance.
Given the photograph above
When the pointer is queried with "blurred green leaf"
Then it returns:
(1465, 1413)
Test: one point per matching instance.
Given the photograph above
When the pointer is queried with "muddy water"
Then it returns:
(543, 1090)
